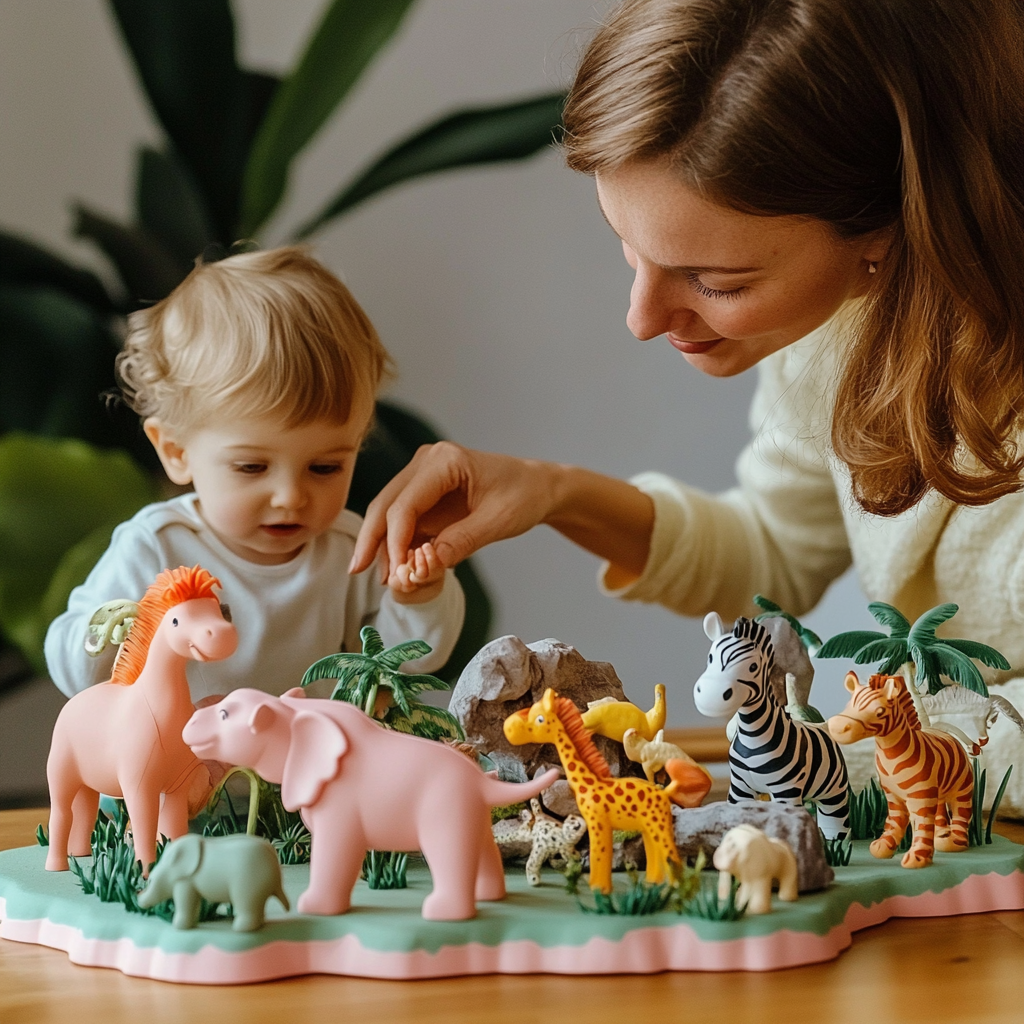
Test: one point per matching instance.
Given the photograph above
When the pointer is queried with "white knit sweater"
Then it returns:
(791, 527)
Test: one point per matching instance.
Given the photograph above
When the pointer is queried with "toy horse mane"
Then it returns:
(172, 587)
(572, 722)
(903, 701)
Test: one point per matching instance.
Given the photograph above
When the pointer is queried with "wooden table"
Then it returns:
(943, 969)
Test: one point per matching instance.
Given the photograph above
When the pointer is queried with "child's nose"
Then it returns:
(288, 493)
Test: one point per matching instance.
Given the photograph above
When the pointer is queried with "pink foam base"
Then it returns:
(673, 947)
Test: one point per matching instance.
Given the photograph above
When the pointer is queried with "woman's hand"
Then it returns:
(462, 500)
(459, 499)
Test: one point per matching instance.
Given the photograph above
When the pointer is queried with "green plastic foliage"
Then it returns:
(346, 41)
(59, 502)
(480, 135)
(932, 656)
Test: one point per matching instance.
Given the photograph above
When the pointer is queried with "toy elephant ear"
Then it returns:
(713, 626)
(183, 857)
(315, 751)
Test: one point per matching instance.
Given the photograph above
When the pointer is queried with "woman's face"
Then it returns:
(726, 288)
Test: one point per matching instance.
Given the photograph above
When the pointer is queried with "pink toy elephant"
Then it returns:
(360, 786)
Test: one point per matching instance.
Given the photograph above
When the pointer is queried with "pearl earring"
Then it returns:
(872, 268)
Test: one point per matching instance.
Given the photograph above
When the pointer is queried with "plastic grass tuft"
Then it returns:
(868, 811)
(837, 851)
(979, 834)
(385, 870)
(707, 905)
(41, 837)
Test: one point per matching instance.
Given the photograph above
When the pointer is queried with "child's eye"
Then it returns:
(249, 468)
(712, 293)
(325, 468)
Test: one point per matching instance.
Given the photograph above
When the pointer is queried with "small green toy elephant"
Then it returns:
(241, 870)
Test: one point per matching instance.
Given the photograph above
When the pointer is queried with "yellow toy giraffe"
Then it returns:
(605, 802)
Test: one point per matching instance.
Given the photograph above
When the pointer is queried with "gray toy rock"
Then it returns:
(241, 870)
(703, 827)
(508, 675)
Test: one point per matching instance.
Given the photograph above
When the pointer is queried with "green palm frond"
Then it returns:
(427, 721)
(922, 633)
(929, 668)
(372, 643)
(846, 645)
(979, 652)
(394, 657)
(887, 615)
(959, 667)
(770, 607)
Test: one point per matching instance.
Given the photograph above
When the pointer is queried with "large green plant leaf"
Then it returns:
(148, 270)
(58, 501)
(347, 39)
(184, 51)
(480, 135)
(25, 264)
(169, 206)
(56, 358)
(846, 645)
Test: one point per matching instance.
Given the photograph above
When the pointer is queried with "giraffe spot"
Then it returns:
(618, 791)
(571, 766)
(630, 785)
(583, 789)
(589, 781)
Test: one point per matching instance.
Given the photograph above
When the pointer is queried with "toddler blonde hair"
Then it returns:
(269, 333)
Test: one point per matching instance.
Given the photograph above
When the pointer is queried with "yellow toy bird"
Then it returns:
(610, 717)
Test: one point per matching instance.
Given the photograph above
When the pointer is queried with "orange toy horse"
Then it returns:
(921, 770)
(123, 737)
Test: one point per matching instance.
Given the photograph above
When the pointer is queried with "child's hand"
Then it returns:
(420, 578)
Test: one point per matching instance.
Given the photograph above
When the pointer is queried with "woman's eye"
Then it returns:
(325, 468)
(712, 293)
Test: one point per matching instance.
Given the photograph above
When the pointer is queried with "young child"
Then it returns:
(255, 380)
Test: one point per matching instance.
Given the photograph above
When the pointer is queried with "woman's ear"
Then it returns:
(170, 451)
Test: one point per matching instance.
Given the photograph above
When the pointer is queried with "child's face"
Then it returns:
(266, 489)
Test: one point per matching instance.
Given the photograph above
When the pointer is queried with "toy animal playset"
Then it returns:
(548, 763)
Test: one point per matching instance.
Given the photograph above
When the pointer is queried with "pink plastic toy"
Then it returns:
(123, 737)
(360, 786)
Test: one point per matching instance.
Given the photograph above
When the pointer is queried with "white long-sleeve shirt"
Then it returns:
(287, 615)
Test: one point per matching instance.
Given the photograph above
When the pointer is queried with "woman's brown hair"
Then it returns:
(902, 115)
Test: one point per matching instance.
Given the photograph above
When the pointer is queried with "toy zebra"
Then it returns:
(925, 773)
(793, 762)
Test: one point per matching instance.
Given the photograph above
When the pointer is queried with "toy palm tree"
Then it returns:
(360, 678)
(917, 650)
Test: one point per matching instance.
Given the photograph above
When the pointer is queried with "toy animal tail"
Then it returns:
(689, 784)
(500, 794)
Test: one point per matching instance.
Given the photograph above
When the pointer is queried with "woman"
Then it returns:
(832, 189)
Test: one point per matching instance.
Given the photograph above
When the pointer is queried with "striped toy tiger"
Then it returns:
(923, 771)
(792, 761)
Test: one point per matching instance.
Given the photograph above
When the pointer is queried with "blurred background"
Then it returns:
(498, 288)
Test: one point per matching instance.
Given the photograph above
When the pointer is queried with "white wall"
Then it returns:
(501, 292)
